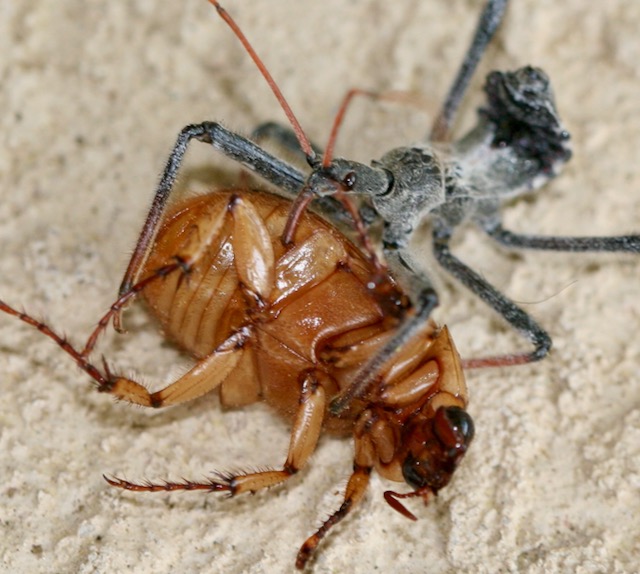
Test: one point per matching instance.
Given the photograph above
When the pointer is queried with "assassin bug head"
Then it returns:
(434, 447)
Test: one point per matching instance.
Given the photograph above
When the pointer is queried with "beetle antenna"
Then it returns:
(392, 499)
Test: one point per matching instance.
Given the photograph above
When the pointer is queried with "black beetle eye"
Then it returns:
(454, 428)
(415, 474)
(349, 180)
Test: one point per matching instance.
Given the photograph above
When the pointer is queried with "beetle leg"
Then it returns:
(78, 356)
(205, 376)
(305, 433)
(253, 252)
(249, 231)
(356, 487)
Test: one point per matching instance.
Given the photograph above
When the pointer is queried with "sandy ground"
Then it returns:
(92, 96)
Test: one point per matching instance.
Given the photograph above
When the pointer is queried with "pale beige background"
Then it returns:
(92, 95)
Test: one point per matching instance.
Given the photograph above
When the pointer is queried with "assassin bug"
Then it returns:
(540, 352)
(518, 145)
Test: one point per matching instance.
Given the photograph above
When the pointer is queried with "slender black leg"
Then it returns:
(425, 303)
(490, 19)
(232, 145)
(622, 243)
(518, 318)
(285, 137)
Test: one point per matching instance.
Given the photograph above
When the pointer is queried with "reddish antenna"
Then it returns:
(337, 122)
(304, 142)
(392, 499)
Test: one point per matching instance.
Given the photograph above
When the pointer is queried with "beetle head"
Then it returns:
(435, 447)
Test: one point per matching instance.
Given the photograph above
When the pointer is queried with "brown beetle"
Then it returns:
(293, 325)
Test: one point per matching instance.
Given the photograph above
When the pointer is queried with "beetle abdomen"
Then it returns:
(292, 302)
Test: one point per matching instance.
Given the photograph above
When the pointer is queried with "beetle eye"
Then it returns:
(454, 428)
(416, 473)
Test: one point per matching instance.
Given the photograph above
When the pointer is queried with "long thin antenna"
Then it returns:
(337, 122)
(305, 144)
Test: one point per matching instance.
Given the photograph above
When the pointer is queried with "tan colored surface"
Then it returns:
(92, 96)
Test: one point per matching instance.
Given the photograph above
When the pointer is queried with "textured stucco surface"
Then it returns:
(92, 95)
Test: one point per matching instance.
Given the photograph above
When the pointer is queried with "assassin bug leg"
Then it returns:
(287, 178)
(490, 20)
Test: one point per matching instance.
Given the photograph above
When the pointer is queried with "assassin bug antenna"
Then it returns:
(304, 142)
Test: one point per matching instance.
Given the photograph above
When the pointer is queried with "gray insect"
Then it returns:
(517, 146)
